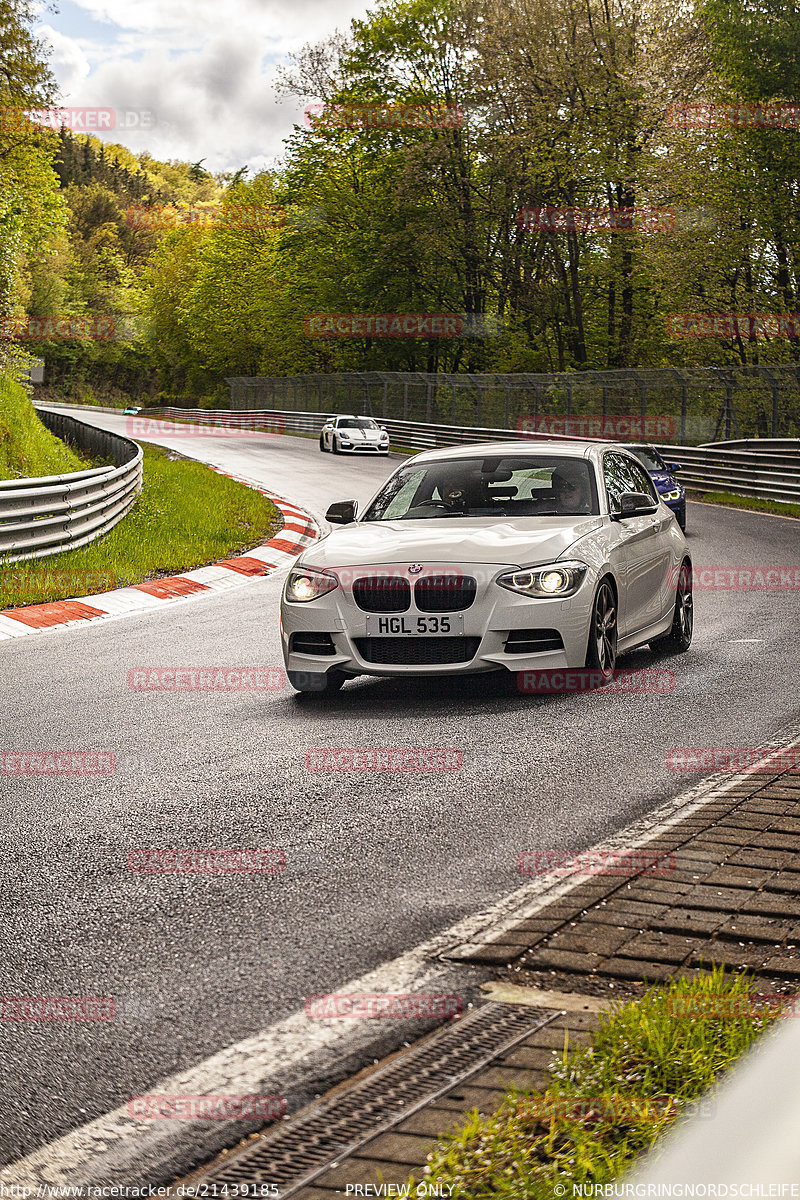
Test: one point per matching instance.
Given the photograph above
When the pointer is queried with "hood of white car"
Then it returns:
(360, 435)
(525, 541)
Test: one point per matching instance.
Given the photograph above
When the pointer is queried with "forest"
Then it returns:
(576, 179)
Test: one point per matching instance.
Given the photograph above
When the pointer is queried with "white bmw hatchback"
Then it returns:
(353, 435)
(497, 557)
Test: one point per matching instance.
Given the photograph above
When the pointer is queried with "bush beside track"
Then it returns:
(607, 1103)
(187, 516)
(26, 447)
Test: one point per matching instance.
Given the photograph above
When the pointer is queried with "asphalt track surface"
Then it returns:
(375, 864)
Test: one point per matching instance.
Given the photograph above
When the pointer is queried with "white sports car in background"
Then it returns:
(354, 435)
(488, 558)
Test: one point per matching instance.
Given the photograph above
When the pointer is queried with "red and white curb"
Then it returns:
(299, 530)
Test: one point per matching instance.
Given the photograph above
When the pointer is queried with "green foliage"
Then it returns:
(26, 447)
(561, 106)
(607, 1103)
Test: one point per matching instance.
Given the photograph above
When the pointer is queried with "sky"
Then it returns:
(187, 79)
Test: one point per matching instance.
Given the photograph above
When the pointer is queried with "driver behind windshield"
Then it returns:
(570, 491)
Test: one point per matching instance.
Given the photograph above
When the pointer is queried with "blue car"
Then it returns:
(663, 476)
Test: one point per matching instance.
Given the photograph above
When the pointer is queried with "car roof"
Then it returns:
(567, 449)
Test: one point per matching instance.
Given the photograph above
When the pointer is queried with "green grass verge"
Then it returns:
(26, 447)
(187, 516)
(607, 1102)
(751, 503)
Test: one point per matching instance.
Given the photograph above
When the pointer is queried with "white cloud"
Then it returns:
(203, 71)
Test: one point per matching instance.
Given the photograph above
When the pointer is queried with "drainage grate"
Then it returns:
(295, 1152)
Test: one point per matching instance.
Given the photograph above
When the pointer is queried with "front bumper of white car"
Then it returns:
(501, 629)
(362, 447)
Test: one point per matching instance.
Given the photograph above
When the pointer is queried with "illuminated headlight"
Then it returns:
(675, 494)
(305, 584)
(558, 579)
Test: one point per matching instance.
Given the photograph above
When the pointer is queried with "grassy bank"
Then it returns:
(751, 503)
(608, 1102)
(26, 447)
(187, 516)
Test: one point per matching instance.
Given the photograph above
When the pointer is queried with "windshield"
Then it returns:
(651, 459)
(357, 423)
(510, 486)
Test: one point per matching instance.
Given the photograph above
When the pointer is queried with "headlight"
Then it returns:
(306, 584)
(675, 494)
(384, 437)
(557, 579)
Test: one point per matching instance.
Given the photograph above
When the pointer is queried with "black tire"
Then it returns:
(679, 638)
(601, 652)
(317, 683)
(322, 443)
(334, 447)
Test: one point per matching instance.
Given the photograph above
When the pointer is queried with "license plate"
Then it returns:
(414, 626)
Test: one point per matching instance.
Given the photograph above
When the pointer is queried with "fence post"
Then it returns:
(508, 405)
(385, 397)
(453, 404)
(405, 400)
(428, 400)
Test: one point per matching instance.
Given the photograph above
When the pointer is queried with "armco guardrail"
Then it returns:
(769, 469)
(59, 512)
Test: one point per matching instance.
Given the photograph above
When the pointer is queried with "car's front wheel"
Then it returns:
(601, 652)
(316, 682)
(322, 442)
(679, 638)
(334, 445)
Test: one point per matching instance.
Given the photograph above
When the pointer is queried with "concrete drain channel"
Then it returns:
(294, 1153)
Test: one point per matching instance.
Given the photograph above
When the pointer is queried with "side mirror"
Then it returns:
(674, 467)
(343, 512)
(634, 504)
